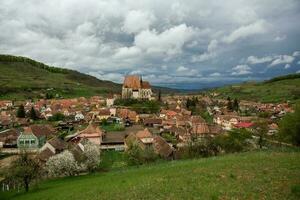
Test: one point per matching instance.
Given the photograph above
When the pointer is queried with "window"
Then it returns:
(32, 141)
(21, 141)
(26, 141)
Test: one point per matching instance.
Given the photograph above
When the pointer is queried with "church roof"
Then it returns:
(132, 81)
(135, 82)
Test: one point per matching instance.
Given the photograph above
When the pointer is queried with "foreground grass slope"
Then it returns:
(279, 89)
(255, 175)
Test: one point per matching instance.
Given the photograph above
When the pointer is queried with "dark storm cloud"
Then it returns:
(175, 43)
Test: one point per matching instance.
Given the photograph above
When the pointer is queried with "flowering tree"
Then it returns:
(63, 164)
(91, 156)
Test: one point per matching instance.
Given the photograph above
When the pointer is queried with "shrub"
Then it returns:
(57, 117)
(203, 147)
(138, 156)
(63, 164)
(234, 141)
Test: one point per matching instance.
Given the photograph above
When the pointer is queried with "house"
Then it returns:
(244, 125)
(34, 136)
(8, 138)
(5, 104)
(145, 136)
(27, 139)
(134, 87)
(167, 114)
(273, 129)
(162, 148)
(152, 122)
(79, 116)
(110, 102)
(92, 133)
(133, 139)
(103, 114)
(200, 129)
(159, 145)
(127, 114)
(226, 121)
(52, 147)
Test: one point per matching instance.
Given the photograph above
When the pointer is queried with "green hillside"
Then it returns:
(279, 89)
(254, 175)
(22, 78)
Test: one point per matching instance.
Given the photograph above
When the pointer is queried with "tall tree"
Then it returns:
(261, 129)
(25, 169)
(21, 111)
(235, 105)
(159, 95)
(229, 104)
(33, 114)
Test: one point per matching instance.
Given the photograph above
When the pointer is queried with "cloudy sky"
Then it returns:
(183, 44)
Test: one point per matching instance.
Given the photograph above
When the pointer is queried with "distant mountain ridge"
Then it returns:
(23, 78)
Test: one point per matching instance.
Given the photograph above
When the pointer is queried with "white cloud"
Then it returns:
(256, 60)
(287, 66)
(280, 38)
(137, 20)
(110, 38)
(181, 69)
(185, 71)
(258, 27)
(216, 74)
(282, 59)
(296, 53)
(241, 70)
(127, 52)
(169, 42)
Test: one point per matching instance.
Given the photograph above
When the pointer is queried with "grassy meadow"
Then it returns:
(276, 91)
(251, 175)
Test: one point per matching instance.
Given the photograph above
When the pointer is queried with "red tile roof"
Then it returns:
(244, 125)
(144, 134)
(132, 81)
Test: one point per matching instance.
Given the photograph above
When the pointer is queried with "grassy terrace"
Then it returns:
(254, 175)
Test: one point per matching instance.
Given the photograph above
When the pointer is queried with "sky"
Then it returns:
(188, 44)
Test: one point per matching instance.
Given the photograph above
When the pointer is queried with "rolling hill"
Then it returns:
(278, 89)
(252, 175)
(23, 78)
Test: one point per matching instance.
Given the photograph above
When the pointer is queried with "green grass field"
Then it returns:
(252, 175)
(275, 91)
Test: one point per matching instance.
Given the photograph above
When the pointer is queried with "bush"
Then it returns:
(138, 156)
(203, 147)
(63, 164)
(140, 106)
(57, 117)
(234, 141)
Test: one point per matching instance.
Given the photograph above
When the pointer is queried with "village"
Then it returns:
(49, 126)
